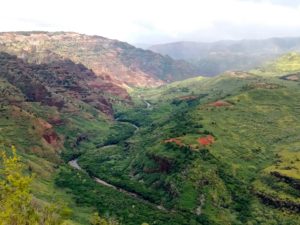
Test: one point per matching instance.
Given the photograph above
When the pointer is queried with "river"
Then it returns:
(74, 163)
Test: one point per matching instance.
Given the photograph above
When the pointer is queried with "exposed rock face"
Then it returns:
(56, 121)
(114, 61)
(48, 134)
(51, 84)
(51, 137)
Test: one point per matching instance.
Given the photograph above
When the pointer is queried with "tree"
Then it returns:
(97, 220)
(17, 206)
(15, 197)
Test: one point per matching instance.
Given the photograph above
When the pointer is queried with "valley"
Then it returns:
(108, 128)
(74, 163)
(171, 150)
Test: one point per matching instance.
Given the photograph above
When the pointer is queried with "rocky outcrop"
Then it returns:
(51, 137)
(56, 121)
(47, 132)
(51, 84)
(114, 61)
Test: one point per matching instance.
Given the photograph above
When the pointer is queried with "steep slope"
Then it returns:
(50, 83)
(207, 149)
(118, 62)
(34, 130)
(217, 57)
(222, 150)
(47, 111)
(52, 114)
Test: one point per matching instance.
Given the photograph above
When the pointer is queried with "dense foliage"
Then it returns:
(17, 205)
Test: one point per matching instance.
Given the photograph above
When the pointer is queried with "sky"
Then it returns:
(156, 21)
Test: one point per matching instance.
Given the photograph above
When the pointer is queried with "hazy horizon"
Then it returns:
(157, 22)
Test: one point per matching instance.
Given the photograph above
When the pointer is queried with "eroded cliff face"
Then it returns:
(114, 61)
(54, 83)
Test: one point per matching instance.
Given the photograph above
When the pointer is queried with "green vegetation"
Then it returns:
(221, 150)
(127, 209)
(286, 64)
(17, 204)
(220, 183)
(97, 220)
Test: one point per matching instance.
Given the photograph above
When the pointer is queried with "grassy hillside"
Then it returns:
(49, 121)
(220, 150)
(51, 117)
(286, 64)
(207, 147)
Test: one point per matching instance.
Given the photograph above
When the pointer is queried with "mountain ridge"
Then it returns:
(207, 151)
(213, 58)
(119, 62)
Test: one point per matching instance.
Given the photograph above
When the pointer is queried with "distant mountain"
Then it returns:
(287, 64)
(142, 45)
(115, 61)
(217, 57)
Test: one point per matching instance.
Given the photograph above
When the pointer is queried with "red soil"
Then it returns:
(174, 140)
(208, 140)
(51, 137)
(219, 103)
(188, 97)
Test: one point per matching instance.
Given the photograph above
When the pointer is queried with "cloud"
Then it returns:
(287, 3)
(156, 21)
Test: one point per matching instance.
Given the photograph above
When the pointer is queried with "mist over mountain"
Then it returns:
(217, 57)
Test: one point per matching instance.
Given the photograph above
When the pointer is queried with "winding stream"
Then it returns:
(148, 105)
(74, 163)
